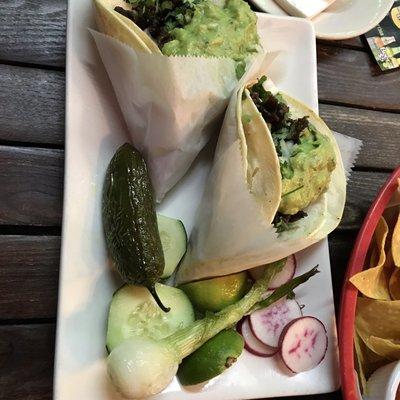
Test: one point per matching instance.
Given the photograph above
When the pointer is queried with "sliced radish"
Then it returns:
(268, 323)
(282, 277)
(303, 344)
(251, 343)
(286, 274)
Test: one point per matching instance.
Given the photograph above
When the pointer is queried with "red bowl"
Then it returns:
(349, 292)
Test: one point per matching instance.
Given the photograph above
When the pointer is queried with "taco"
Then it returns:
(182, 27)
(303, 148)
(277, 185)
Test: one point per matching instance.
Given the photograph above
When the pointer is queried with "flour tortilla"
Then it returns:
(114, 24)
(233, 230)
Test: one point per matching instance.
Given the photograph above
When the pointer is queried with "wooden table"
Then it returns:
(355, 98)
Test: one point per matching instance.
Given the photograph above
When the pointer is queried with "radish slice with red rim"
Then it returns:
(303, 344)
(285, 275)
(268, 323)
(282, 277)
(251, 343)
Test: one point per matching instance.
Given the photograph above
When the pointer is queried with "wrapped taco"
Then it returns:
(173, 65)
(202, 28)
(277, 185)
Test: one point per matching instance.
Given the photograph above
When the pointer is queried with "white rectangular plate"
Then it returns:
(94, 130)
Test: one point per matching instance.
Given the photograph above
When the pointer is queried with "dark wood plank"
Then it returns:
(362, 189)
(354, 43)
(379, 131)
(29, 268)
(26, 362)
(340, 246)
(351, 77)
(328, 396)
(31, 182)
(33, 31)
(31, 104)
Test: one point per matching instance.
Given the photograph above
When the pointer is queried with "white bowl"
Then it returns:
(383, 383)
(344, 19)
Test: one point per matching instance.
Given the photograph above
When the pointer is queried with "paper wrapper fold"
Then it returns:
(231, 234)
(171, 105)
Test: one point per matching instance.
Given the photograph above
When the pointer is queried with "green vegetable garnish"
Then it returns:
(293, 191)
(284, 222)
(130, 221)
(129, 364)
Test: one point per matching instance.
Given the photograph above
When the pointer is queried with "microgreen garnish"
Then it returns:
(292, 191)
(291, 295)
(159, 17)
(286, 131)
(288, 135)
(285, 222)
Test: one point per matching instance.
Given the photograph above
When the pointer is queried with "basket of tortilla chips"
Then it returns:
(369, 327)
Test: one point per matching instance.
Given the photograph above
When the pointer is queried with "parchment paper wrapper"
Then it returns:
(231, 234)
(171, 105)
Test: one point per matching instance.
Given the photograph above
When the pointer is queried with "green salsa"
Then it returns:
(217, 31)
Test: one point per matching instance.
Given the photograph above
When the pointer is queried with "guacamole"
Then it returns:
(306, 157)
(312, 163)
(197, 27)
(218, 31)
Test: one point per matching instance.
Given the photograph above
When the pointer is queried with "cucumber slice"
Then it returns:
(173, 239)
(133, 312)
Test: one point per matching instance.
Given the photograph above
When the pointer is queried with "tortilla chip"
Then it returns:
(360, 362)
(396, 243)
(391, 215)
(373, 282)
(373, 361)
(394, 284)
(374, 258)
(378, 318)
(380, 235)
(395, 200)
(388, 348)
(377, 337)
(366, 361)
(377, 324)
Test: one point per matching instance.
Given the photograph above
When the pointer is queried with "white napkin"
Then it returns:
(349, 149)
